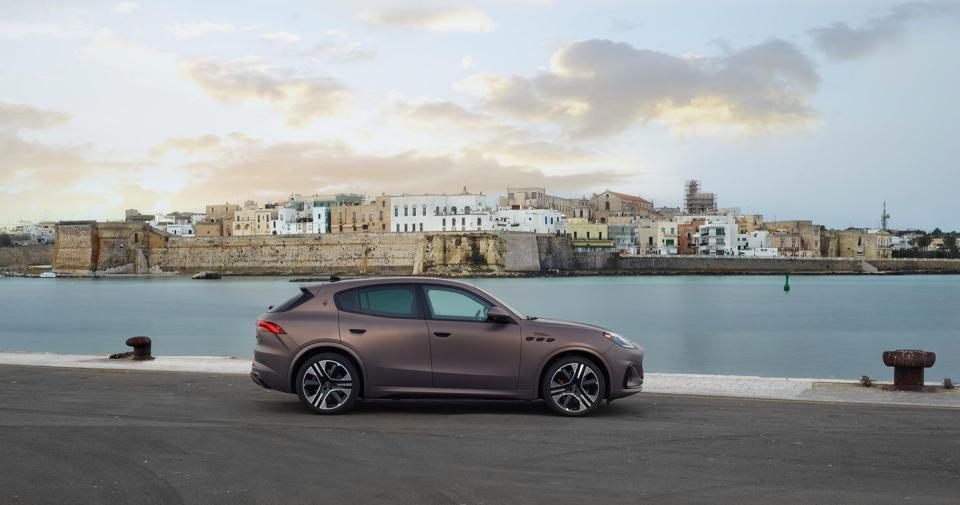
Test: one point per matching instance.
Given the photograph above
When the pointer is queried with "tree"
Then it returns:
(950, 243)
(5, 240)
(921, 241)
(936, 232)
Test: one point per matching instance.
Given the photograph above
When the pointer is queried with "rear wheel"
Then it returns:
(327, 383)
(573, 386)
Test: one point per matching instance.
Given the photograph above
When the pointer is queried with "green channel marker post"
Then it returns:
(786, 284)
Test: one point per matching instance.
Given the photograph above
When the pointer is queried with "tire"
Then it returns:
(573, 386)
(328, 383)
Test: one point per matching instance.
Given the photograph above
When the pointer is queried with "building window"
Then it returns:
(421, 226)
(398, 228)
(478, 222)
(414, 210)
(453, 210)
(396, 212)
(444, 222)
(405, 227)
(463, 221)
(436, 211)
(405, 210)
(466, 210)
(424, 209)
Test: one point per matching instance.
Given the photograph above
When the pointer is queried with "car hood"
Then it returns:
(548, 324)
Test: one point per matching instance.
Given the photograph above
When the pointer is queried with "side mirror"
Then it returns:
(498, 315)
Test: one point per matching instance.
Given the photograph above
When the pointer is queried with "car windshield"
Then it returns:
(505, 305)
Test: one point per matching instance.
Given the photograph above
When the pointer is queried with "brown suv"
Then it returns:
(421, 337)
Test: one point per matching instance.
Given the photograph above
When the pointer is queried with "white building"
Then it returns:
(757, 239)
(179, 229)
(760, 252)
(718, 237)
(667, 238)
(291, 221)
(543, 221)
(463, 212)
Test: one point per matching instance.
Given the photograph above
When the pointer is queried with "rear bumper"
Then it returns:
(265, 376)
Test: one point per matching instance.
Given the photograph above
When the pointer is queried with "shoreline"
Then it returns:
(726, 386)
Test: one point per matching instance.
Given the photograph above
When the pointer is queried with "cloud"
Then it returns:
(468, 62)
(125, 7)
(597, 88)
(187, 145)
(301, 99)
(335, 166)
(287, 37)
(840, 41)
(15, 117)
(198, 29)
(341, 52)
(432, 18)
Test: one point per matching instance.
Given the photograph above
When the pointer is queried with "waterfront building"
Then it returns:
(786, 242)
(432, 213)
(667, 238)
(530, 220)
(208, 229)
(611, 203)
(624, 237)
(586, 236)
(861, 243)
(809, 233)
(186, 230)
(696, 201)
(749, 223)
(752, 240)
(535, 198)
(255, 221)
(647, 233)
(717, 237)
(369, 217)
(686, 235)
(134, 216)
(305, 203)
(223, 214)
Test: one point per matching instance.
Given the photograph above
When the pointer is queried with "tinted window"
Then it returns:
(294, 302)
(391, 301)
(450, 303)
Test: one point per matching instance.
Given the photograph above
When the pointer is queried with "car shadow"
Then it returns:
(448, 407)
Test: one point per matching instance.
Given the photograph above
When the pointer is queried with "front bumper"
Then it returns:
(626, 371)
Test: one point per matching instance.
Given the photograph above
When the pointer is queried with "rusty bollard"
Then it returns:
(908, 367)
(141, 348)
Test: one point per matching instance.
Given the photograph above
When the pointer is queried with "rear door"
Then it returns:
(467, 351)
(386, 326)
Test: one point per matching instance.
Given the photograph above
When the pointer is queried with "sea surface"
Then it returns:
(826, 326)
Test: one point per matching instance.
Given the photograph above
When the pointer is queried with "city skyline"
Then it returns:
(794, 111)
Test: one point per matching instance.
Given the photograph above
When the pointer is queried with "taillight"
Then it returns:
(271, 327)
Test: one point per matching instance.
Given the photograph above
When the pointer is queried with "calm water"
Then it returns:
(831, 326)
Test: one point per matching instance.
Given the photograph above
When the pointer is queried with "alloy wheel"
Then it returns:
(327, 384)
(575, 387)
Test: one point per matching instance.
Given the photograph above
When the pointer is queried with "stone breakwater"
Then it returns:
(126, 248)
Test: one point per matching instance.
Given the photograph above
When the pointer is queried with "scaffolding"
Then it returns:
(696, 202)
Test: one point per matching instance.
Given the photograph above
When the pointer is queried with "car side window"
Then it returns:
(455, 304)
(394, 300)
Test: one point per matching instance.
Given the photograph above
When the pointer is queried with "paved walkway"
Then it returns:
(829, 390)
(114, 436)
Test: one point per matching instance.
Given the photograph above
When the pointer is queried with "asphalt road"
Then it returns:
(103, 437)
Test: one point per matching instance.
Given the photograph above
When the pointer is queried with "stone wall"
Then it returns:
(17, 259)
(73, 249)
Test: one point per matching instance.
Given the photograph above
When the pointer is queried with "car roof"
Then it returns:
(340, 285)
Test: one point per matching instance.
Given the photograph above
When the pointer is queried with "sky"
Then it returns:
(809, 109)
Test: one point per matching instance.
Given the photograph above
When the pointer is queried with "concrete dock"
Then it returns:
(79, 436)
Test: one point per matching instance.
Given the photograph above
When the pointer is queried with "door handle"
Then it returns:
(357, 331)
(443, 334)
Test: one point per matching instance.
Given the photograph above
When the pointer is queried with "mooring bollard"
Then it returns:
(141, 348)
(908, 367)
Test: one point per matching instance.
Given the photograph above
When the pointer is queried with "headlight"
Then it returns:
(620, 340)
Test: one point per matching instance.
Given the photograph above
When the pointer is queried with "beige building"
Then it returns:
(370, 217)
(750, 223)
(254, 222)
(585, 235)
(787, 243)
(610, 203)
(223, 214)
(810, 236)
(209, 229)
(536, 198)
(865, 244)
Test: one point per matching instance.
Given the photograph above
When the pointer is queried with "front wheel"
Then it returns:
(573, 386)
(328, 383)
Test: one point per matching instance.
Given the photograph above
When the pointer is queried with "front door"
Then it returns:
(469, 352)
(385, 324)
